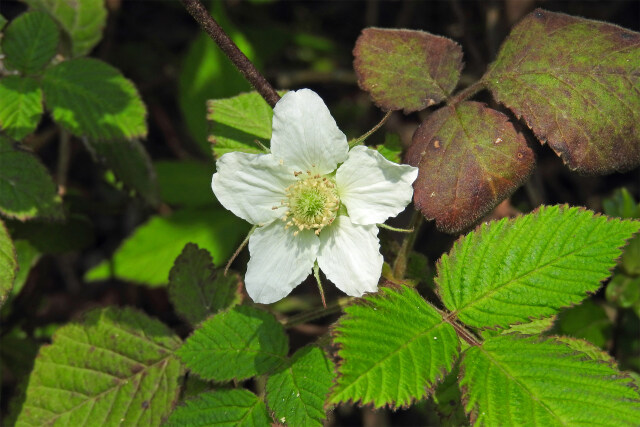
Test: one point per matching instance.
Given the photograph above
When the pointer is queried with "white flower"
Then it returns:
(307, 210)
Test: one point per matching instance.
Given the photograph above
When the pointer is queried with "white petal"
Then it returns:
(373, 188)
(350, 256)
(305, 136)
(279, 261)
(250, 185)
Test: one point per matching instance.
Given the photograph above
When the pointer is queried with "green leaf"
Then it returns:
(623, 290)
(630, 261)
(148, 254)
(29, 42)
(83, 21)
(588, 349)
(405, 69)
(8, 263)
(197, 289)
(131, 164)
(447, 398)
(621, 204)
(26, 188)
(237, 122)
(394, 347)
(73, 234)
(296, 392)
(392, 148)
(3, 22)
(511, 271)
(115, 367)
(575, 83)
(516, 380)
(90, 98)
(185, 183)
(470, 158)
(20, 105)
(237, 344)
(224, 408)
(27, 257)
(534, 327)
(587, 320)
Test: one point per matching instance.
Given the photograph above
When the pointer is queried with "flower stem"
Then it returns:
(242, 63)
(400, 264)
(316, 274)
(467, 92)
(397, 230)
(317, 313)
(362, 138)
(240, 248)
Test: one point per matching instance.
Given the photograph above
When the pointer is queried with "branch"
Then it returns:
(242, 63)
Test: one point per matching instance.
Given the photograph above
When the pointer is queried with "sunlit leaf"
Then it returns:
(296, 392)
(510, 271)
(224, 408)
(148, 254)
(405, 69)
(26, 188)
(185, 183)
(82, 20)
(391, 149)
(470, 159)
(236, 344)
(514, 380)
(20, 105)
(394, 348)
(197, 289)
(91, 98)
(30, 42)
(114, 367)
(8, 263)
(576, 84)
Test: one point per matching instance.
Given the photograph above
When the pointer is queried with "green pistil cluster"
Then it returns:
(312, 203)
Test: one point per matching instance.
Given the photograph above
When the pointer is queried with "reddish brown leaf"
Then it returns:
(576, 83)
(470, 159)
(405, 69)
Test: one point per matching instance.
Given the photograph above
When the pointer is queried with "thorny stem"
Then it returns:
(242, 63)
(240, 248)
(362, 138)
(467, 92)
(64, 154)
(317, 313)
(400, 264)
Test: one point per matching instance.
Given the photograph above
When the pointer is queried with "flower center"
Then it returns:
(312, 203)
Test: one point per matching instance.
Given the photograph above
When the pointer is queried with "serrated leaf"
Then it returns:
(82, 20)
(197, 289)
(588, 321)
(391, 149)
(20, 105)
(470, 158)
(114, 367)
(448, 400)
(185, 183)
(534, 327)
(91, 98)
(224, 408)
(516, 380)
(26, 188)
(148, 254)
(510, 271)
(575, 82)
(27, 256)
(237, 122)
(8, 263)
(236, 344)
(406, 69)
(394, 347)
(29, 42)
(131, 164)
(587, 348)
(296, 392)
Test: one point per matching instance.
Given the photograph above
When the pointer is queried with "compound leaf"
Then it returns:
(29, 42)
(297, 390)
(8, 263)
(237, 122)
(576, 84)
(236, 344)
(511, 271)
(26, 188)
(394, 347)
(405, 69)
(148, 254)
(20, 105)
(197, 289)
(224, 408)
(82, 20)
(470, 159)
(115, 367)
(91, 98)
(518, 380)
